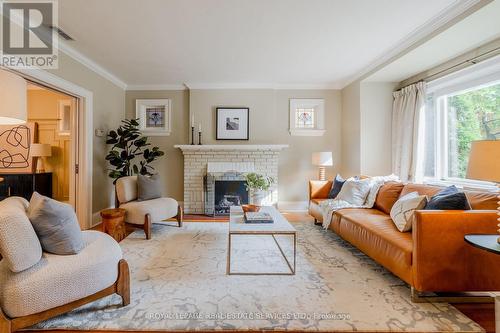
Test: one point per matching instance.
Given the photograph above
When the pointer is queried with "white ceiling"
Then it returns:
(475, 30)
(241, 42)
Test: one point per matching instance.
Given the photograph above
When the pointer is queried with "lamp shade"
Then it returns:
(323, 158)
(13, 97)
(484, 161)
(41, 150)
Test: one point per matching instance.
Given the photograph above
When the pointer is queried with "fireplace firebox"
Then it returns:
(223, 190)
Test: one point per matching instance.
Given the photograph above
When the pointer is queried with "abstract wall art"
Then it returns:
(15, 143)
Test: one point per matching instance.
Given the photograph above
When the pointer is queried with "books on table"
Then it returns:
(258, 217)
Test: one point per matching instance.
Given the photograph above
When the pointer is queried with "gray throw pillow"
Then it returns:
(56, 225)
(148, 187)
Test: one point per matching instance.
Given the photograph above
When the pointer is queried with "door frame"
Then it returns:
(83, 139)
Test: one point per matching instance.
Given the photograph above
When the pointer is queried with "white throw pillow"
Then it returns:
(355, 191)
(403, 211)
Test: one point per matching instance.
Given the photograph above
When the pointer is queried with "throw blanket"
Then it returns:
(330, 206)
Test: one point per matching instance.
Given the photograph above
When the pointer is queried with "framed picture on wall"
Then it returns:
(232, 123)
(154, 116)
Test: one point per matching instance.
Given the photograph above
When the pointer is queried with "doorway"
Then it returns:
(56, 116)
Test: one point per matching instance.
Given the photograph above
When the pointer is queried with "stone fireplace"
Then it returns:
(211, 167)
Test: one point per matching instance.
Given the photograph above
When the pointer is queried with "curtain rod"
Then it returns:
(472, 61)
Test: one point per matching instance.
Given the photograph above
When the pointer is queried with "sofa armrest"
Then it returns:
(319, 189)
(443, 261)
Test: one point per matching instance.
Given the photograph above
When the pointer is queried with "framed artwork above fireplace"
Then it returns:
(232, 123)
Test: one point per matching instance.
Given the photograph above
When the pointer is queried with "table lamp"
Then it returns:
(322, 160)
(484, 164)
(40, 150)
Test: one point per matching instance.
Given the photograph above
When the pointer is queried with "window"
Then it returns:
(457, 112)
(307, 117)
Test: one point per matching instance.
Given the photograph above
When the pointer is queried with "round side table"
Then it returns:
(488, 243)
(113, 223)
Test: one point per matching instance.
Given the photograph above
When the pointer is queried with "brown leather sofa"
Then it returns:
(433, 257)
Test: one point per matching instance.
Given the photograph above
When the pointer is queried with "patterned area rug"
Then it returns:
(179, 282)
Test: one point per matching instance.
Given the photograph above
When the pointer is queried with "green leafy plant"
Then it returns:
(256, 181)
(129, 144)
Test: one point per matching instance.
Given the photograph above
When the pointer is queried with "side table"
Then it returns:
(488, 243)
(113, 223)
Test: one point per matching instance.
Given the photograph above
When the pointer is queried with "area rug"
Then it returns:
(179, 282)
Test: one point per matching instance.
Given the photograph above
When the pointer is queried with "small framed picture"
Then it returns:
(232, 123)
(154, 116)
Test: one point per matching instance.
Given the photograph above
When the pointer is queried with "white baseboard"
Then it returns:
(96, 218)
(293, 206)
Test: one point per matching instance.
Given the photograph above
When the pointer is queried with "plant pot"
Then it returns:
(258, 196)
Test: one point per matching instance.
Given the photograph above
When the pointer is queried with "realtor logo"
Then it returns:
(28, 37)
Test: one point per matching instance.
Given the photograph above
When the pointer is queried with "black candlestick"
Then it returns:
(199, 138)
(192, 135)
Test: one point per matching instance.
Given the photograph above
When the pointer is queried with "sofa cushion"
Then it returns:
(58, 280)
(126, 189)
(148, 187)
(403, 211)
(387, 195)
(421, 189)
(337, 184)
(374, 233)
(160, 209)
(19, 244)
(56, 225)
(449, 198)
(482, 200)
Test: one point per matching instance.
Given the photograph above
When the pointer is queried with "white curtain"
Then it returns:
(407, 138)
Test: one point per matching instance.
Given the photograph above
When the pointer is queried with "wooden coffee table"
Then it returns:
(281, 226)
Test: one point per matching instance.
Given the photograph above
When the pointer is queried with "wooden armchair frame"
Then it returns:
(120, 287)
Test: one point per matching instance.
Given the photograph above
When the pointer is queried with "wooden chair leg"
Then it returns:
(180, 215)
(123, 282)
(5, 323)
(147, 226)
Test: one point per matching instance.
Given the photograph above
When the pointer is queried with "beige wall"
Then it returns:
(108, 110)
(171, 165)
(366, 128)
(269, 124)
(351, 130)
(376, 128)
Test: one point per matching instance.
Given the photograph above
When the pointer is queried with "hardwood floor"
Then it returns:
(483, 314)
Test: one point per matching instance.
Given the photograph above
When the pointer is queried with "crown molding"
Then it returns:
(90, 64)
(447, 17)
(154, 87)
(272, 86)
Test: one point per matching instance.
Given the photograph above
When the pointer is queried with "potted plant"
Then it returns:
(258, 187)
(129, 144)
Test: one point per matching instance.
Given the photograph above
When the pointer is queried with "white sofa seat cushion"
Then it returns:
(19, 244)
(159, 209)
(58, 280)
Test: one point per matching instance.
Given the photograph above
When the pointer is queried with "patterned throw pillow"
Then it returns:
(403, 211)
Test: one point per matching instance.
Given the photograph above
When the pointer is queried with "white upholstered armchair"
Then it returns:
(35, 285)
(143, 214)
